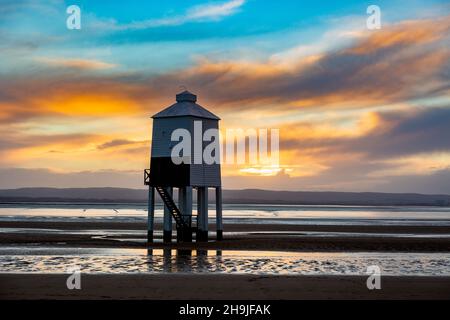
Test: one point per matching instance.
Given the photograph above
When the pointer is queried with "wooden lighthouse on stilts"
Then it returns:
(186, 171)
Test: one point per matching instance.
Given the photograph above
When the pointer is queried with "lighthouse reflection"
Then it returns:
(183, 260)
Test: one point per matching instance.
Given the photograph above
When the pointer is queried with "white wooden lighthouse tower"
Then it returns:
(165, 174)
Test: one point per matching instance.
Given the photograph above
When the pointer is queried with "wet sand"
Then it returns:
(229, 227)
(239, 237)
(219, 286)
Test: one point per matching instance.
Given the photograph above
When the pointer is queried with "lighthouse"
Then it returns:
(184, 170)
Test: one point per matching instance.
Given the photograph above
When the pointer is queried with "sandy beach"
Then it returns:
(219, 286)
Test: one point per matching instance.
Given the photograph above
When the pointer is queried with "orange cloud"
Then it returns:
(400, 62)
(407, 33)
(82, 64)
(89, 104)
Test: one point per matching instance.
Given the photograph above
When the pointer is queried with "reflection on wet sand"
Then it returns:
(183, 260)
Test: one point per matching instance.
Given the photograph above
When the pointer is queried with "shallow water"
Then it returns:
(261, 214)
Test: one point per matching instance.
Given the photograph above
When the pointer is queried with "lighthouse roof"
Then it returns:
(186, 106)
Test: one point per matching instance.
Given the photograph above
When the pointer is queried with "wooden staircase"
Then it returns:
(170, 204)
(184, 222)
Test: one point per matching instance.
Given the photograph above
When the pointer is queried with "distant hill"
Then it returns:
(254, 196)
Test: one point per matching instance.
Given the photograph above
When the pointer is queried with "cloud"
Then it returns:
(437, 182)
(82, 64)
(403, 61)
(16, 139)
(68, 94)
(394, 134)
(72, 152)
(21, 177)
(22, 148)
(9, 7)
(215, 11)
(118, 143)
(408, 144)
(200, 13)
(406, 133)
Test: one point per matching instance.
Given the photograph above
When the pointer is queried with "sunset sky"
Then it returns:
(357, 109)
